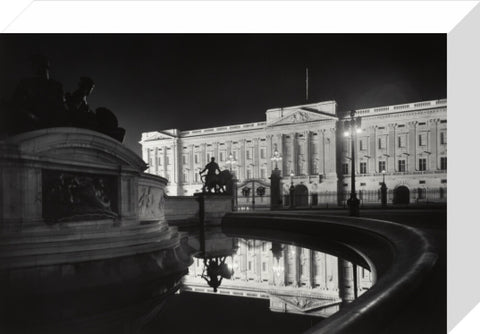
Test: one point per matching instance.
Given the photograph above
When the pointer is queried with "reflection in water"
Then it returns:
(292, 278)
(122, 295)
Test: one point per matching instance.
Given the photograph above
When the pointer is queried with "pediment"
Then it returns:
(155, 135)
(307, 304)
(301, 116)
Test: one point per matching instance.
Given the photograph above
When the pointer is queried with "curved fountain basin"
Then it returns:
(400, 256)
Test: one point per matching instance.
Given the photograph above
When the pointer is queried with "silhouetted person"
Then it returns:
(79, 111)
(37, 101)
(211, 168)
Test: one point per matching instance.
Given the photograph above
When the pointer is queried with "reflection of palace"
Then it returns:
(408, 142)
(294, 279)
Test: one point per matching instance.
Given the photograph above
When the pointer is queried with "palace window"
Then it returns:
(208, 157)
(263, 173)
(443, 138)
(221, 156)
(401, 141)
(167, 160)
(363, 168)
(196, 177)
(401, 165)
(249, 174)
(363, 145)
(234, 155)
(421, 193)
(381, 166)
(196, 158)
(159, 161)
(381, 143)
(422, 139)
(264, 266)
(262, 153)
(184, 159)
(422, 164)
(443, 163)
(345, 168)
(185, 178)
(249, 154)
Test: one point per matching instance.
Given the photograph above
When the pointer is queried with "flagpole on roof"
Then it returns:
(306, 84)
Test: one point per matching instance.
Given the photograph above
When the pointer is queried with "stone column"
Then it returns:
(412, 146)
(269, 154)
(346, 284)
(373, 147)
(243, 160)
(391, 148)
(433, 163)
(321, 152)
(308, 157)
(256, 158)
(294, 156)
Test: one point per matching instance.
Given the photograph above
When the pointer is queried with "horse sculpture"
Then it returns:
(219, 183)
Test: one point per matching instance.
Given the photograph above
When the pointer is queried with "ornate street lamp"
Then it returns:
(276, 157)
(354, 124)
(231, 161)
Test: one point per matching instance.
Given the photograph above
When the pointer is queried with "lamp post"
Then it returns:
(276, 157)
(353, 202)
(292, 191)
(231, 161)
(383, 190)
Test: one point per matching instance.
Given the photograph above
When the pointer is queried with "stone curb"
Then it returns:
(402, 258)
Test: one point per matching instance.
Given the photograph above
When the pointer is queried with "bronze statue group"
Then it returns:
(39, 102)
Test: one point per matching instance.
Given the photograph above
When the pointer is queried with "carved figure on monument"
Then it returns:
(79, 111)
(74, 196)
(218, 183)
(37, 101)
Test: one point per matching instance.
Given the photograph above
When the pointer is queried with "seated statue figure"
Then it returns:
(79, 112)
(37, 101)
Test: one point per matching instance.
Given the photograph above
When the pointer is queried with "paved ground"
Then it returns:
(426, 312)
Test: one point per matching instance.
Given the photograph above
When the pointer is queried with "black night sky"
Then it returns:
(155, 81)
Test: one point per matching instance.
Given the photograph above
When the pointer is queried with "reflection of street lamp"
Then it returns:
(292, 190)
(276, 157)
(354, 124)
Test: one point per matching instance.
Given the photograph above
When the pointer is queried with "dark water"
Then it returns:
(262, 286)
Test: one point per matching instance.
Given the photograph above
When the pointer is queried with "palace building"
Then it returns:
(404, 146)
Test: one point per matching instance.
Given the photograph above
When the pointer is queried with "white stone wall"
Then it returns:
(311, 143)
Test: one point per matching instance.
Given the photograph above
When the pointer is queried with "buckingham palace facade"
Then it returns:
(404, 146)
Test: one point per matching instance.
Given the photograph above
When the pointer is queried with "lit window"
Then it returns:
(422, 164)
(422, 139)
(381, 166)
(363, 168)
(381, 143)
(363, 145)
(443, 163)
(443, 138)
